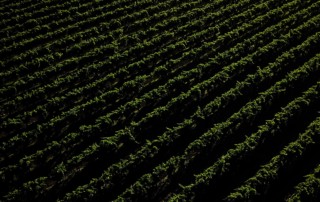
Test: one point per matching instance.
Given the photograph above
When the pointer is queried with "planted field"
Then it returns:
(149, 100)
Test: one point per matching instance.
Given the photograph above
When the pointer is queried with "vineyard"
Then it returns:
(147, 100)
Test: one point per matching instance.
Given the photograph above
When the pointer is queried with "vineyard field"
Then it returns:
(193, 100)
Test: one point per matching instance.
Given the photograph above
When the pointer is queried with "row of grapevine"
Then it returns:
(308, 190)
